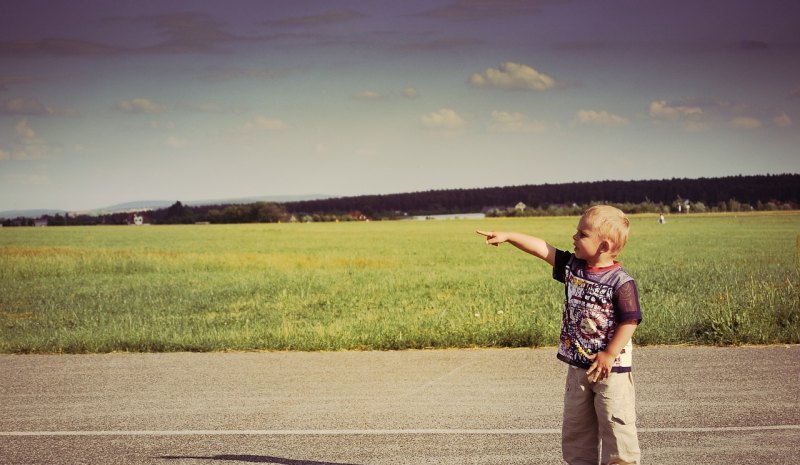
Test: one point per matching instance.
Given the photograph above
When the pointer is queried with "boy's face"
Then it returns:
(588, 244)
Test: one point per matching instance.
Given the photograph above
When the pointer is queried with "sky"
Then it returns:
(104, 102)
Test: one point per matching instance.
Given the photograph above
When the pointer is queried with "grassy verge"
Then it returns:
(384, 285)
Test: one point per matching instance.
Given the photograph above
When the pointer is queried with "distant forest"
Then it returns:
(724, 194)
(758, 192)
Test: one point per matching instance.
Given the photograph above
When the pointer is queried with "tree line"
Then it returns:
(716, 194)
(724, 194)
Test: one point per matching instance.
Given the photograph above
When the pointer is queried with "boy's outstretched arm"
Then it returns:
(533, 245)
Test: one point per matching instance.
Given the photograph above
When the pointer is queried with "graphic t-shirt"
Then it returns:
(596, 300)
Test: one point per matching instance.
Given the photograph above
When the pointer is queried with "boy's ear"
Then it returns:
(606, 246)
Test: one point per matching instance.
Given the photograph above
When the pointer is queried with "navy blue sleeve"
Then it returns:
(626, 303)
(560, 266)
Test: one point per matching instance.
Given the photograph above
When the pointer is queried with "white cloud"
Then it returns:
(368, 95)
(515, 123)
(141, 105)
(27, 106)
(696, 126)
(26, 145)
(662, 110)
(600, 118)
(696, 115)
(410, 92)
(176, 142)
(205, 108)
(162, 125)
(218, 74)
(24, 106)
(782, 121)
(512, 75)
(745, 122)
(266, 124)
(24, 132)
(444, 119)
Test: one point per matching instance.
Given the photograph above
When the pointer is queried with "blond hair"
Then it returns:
(611, 224)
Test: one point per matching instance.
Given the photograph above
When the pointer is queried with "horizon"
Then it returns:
(151, 204)
(105, 103)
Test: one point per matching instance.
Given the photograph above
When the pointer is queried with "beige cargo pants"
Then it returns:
(599, 420)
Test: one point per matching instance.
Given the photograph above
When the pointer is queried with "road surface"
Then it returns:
(698, 405)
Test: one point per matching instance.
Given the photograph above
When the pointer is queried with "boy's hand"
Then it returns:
(494, 238)
(601, 368)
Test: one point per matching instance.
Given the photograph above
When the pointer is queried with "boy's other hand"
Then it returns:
(601, 368)
(493, 238)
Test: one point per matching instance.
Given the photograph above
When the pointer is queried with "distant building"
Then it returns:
(358, 216)
(40, 223)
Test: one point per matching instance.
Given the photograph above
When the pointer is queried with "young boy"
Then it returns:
(601, 312)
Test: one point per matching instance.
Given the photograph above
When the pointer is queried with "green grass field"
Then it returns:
(713, 279)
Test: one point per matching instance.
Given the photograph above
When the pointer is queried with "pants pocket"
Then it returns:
(620, 399)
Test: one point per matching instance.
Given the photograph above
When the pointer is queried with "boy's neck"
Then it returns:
(602, 261)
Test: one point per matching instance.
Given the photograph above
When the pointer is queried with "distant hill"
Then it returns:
(140, 205)
(156, 204)
(11, 214)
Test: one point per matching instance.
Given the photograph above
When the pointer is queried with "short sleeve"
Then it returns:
(560, 265)
(626, 303)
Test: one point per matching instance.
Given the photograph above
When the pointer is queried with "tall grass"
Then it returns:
(379, 285)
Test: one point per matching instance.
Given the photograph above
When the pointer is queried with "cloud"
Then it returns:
(6, 81)
(205, 108)
(26, 144)
(186, 32)
(441, 44)
(162, 124)
(24, 132)
(24, 106)
(27, 106)
(705, 114)
(693, 116)
(410, 92)
(506, 122)
(218, 74)
(322, 19)
(782, 121)
(444, 119)
(600, 118)
(140, 105)
(58, 47)
(176, 142)
(266, 124)
(512, 75)
(745, 122)
(320, 148)
(662, 110)
(368, 95)
(479, 10)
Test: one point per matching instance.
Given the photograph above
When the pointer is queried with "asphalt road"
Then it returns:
(696, 405)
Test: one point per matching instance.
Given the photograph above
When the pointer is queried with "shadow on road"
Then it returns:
(253, 459)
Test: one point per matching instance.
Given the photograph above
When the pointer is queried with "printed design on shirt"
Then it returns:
(588, 323)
